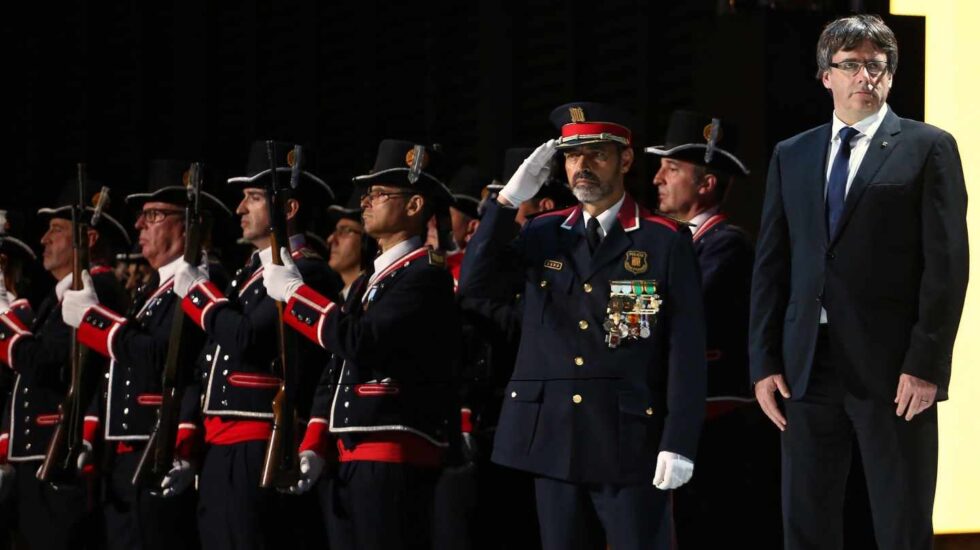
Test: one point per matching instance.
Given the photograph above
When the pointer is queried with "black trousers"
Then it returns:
(136, 519)
(899, 458)
(590, 517)
(235, 513)
(380, 505)
(49, 517)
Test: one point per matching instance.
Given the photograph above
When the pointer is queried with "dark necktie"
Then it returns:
(837, 184)
(592, 234)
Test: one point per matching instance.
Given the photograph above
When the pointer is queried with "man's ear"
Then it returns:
(93, 237)
(414, 205)
(546, 204)
(292, 208)
(708, 184)
(471, 227)
(626, 160)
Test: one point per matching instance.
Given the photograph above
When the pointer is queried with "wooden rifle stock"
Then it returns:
(280, 469)
(158, 455)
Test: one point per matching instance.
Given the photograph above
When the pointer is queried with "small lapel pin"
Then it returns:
(884, 144)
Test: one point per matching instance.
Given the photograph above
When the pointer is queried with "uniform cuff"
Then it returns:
(201, 299)
(317, 437)
(306, 311)
(99, 326)
(187, 442)
(90, 429)
(12, 329)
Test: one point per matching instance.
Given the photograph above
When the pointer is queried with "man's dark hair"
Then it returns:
(723, 181)
(848, 33)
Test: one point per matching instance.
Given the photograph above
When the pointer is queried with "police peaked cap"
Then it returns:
(584, 123)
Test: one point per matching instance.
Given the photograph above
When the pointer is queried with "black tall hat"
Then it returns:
(168, 180)
(467, 187)
(257, 169)
(405, 164)
(586, 122)
(699, 138)
(11, 233)
(109, 223)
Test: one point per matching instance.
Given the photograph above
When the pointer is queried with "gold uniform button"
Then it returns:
(576, 399)
(579, 361)
(587, 287)
(583, 324)
(544, 284)
(649, 411)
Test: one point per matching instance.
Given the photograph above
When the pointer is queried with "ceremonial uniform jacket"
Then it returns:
(138, 348)
(725, 255)
(41, 357)
(577, 409)
(394, 342)
(241, 375)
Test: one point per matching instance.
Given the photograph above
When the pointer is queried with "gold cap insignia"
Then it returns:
(95, 200)
(186, 178)
(707, 132)
(577, 114)
(410, 158)
(291, 157)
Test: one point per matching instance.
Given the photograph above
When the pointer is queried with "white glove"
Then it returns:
(6, 480)
(530, 175)
(85, 456)
(77, 302)
(187, 276)
(310, 468)
(62, 286)
(281, 281)
(4, 296)
(673, 470)
(179, 478)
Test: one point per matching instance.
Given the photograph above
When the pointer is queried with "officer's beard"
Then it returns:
(588, 188)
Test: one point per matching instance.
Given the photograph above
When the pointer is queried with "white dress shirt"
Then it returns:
(606, 218)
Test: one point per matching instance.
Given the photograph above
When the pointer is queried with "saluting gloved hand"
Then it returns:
(179, 478)
(62, 286)
(77, 302)
(6, 480)
(187, 276)
(4, 296)
(530, 175)
(310, 468)
(281, 281)
(673, 470)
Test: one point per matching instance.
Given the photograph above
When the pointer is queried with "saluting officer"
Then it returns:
(241, 377)
(740, 491)
(607, 398)
(388, 396)
(37, 348)
(147, 517)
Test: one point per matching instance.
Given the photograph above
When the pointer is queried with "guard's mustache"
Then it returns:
(585, 175)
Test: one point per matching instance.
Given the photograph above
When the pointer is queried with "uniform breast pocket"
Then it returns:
(555, 289)
(639, 432)
(519, 415)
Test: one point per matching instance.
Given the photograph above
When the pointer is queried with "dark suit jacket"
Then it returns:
(892, 279)
(576, 409)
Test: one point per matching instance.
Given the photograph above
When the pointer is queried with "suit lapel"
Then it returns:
(882, 144)
(814, 166)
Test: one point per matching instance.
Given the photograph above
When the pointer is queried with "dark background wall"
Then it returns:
(118, 83)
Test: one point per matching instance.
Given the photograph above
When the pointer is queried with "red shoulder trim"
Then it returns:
(550, 213)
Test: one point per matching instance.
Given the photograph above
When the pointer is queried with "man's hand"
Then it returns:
(673, 470)
(281, 281)
(77, 302)
(529, 177)
(187, 276)
(914, 396)
(310, 468)
(764, 390)
(179, 478)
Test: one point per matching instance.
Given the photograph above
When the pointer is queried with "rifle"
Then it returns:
(60, 458)
(158, 455)
(280, 469)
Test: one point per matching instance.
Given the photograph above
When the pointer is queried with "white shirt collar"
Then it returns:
(607, 218)
(167, 272)
(866, 126)
(383, 261)
(696, 221)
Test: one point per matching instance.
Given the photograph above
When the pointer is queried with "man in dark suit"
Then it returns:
(859, 281)
(606, 401)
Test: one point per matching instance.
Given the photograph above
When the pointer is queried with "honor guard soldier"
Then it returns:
(740, 491)
(466, 185)
(606, 401)
(38, 349)
(148, 516)
(388, 397)
(242, 375)
(352, 251)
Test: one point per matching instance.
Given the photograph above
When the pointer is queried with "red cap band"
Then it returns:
(595, 128)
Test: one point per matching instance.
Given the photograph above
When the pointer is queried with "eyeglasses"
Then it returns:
(852, 68)
(345, 231)
(373, 195)
(156, 215)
